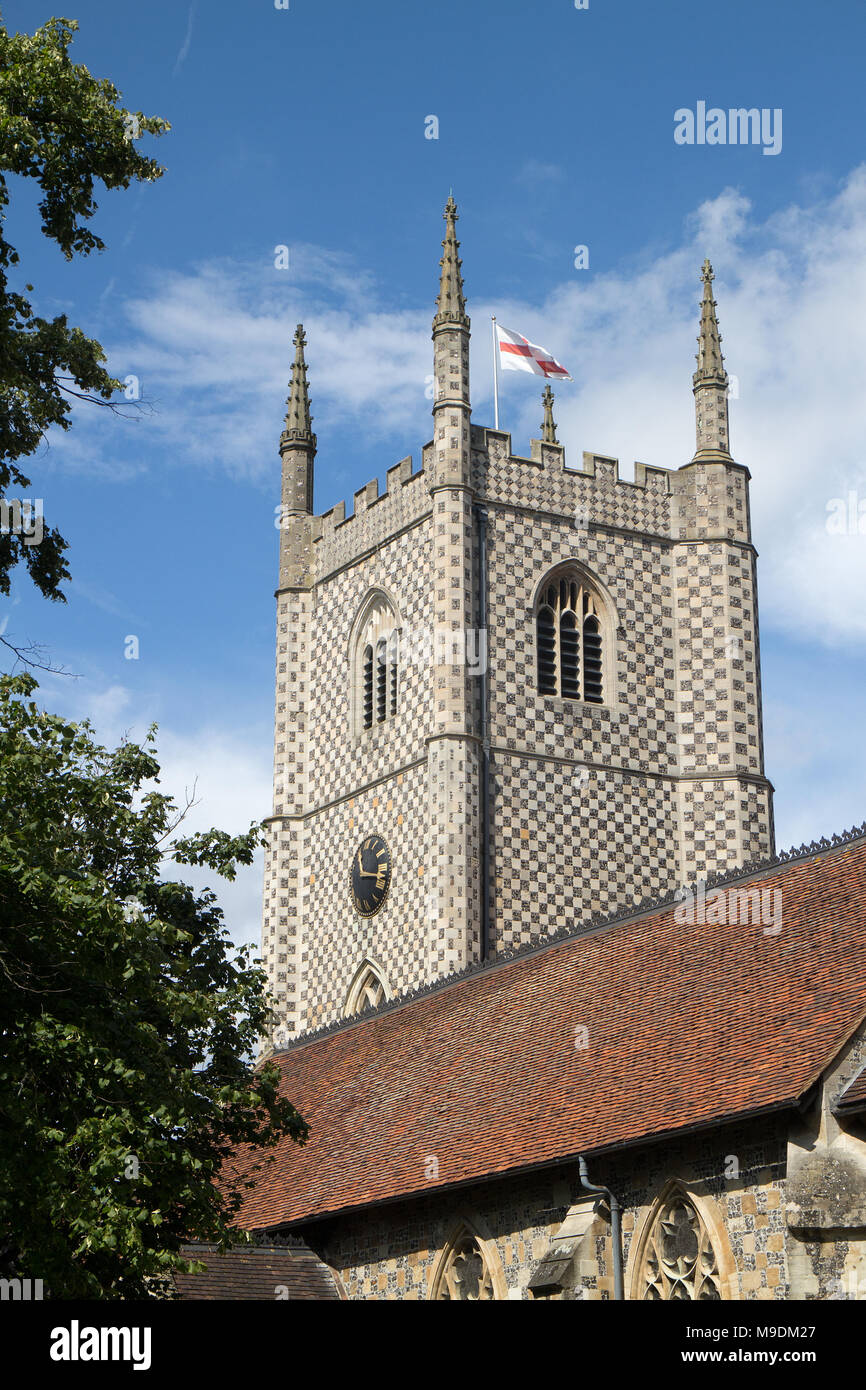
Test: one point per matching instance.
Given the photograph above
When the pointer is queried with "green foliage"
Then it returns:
(64, 129)
(127, 1018)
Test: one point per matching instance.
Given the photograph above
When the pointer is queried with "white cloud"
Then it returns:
(227, 771)
(212, 349)
(719, 222)
(231, 778)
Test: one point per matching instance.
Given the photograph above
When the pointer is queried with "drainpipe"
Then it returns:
(615, 1227)
(481, 518)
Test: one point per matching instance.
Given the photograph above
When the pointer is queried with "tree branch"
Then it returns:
(29, 656)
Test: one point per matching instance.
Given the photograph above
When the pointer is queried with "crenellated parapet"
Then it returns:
(340, 540)
(592, 494)
(703, 500)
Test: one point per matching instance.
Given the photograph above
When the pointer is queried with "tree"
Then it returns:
(65, 129)
(127, 1018)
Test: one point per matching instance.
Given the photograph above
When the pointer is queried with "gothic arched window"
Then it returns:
(678, 1261)
(464, 1274)
(570, 632)
(367, 990)
(374, 658)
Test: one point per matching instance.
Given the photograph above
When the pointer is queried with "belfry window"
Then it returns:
(569, 631)
(368, 686)
(376, 663)
(592, 658)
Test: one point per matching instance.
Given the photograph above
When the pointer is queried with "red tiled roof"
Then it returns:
(256, 1272)
(686, 1025)
(854, 1096)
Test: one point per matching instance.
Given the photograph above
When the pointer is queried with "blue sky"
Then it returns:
(305, 127)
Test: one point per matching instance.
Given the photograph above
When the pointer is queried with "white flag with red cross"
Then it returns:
(518, 354)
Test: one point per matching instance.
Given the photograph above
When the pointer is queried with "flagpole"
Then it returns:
(495, 373)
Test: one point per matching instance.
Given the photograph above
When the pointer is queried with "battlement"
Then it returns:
(595, 491)
(657, 500)
(497, 444)
(375, 516)
(542, 455)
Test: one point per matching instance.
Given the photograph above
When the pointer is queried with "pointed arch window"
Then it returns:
(570, 632)
(376, 663)
(367, 990)
(464, 1274)
(679, 1263)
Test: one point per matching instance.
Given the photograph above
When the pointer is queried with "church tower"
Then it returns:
(510, 694)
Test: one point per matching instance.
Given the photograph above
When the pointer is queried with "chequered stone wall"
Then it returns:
(285, 853)
(565, 848)
(544, 483)
(736, 1176)
(339, 539)
(749, 1204)
(593, 807)
(392, 1253)
(336, 940)
(334, 784)
(340, 760)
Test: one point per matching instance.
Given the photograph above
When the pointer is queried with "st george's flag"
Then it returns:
(518, 354)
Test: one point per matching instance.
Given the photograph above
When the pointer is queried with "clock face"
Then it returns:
(371, 875)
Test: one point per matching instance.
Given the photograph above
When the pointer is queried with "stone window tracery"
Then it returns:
(679, 1262)
(570, 623)
(367, 991)
(464, 1275)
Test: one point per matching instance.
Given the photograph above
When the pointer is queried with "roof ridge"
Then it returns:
(596, 922)
(276, 1242)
